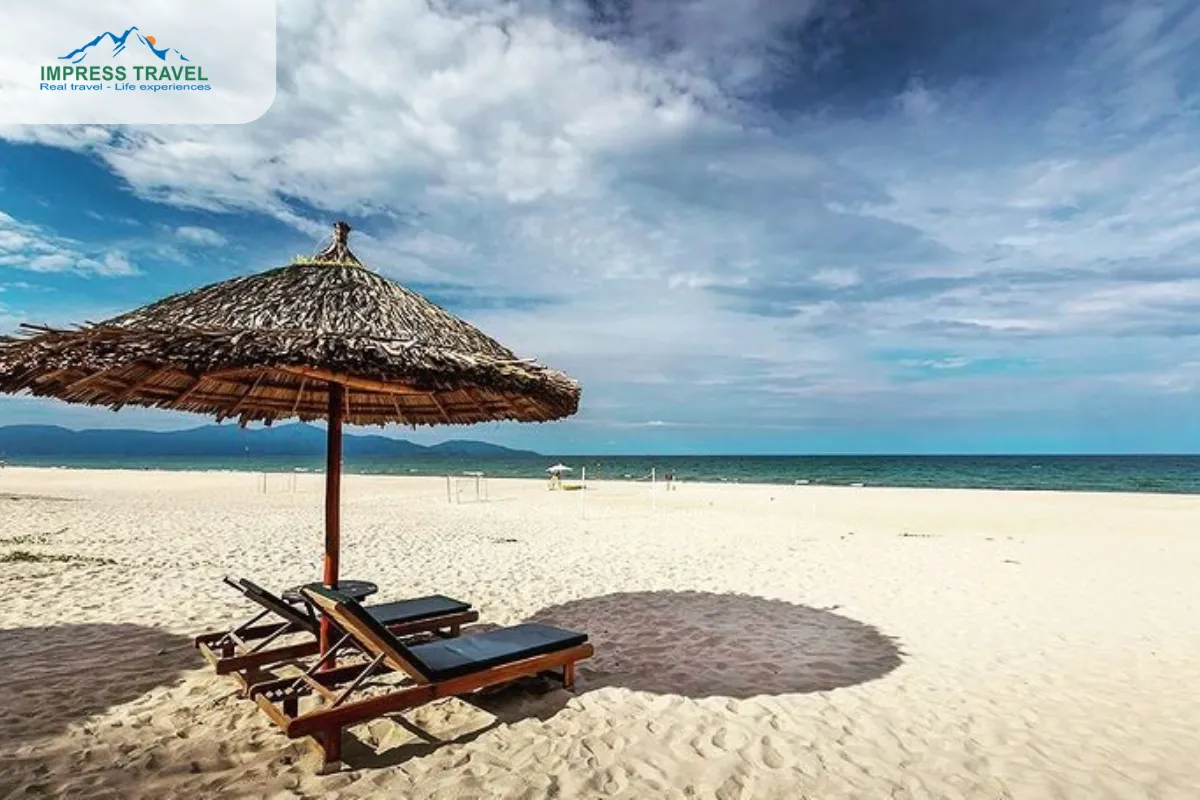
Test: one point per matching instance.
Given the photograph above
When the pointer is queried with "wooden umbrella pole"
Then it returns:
(333, 499)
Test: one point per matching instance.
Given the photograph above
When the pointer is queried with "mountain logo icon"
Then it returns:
(131, 41)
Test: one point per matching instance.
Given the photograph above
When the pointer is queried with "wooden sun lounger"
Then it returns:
(437, 669)
(244, 651)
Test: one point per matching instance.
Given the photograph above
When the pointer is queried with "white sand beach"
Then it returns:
(751, 641)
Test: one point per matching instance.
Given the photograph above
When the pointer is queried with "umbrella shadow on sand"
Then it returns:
(58, 675)
(698, 644)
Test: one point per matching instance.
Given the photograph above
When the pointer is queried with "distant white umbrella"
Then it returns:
(557, 468)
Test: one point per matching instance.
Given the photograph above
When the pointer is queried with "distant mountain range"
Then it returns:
(223, 441)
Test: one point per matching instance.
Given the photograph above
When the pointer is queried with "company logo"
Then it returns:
(131, 62)
(120, 44)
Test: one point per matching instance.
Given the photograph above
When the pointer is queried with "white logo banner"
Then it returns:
(141, 62)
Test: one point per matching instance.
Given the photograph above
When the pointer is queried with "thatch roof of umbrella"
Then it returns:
(265, 347)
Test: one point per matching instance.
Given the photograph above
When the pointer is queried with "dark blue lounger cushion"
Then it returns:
(439, 661)
(435, 605)
(451, 658)
(418, 608)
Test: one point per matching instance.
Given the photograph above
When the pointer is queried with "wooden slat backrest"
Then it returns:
(275, 604)
(372, 637)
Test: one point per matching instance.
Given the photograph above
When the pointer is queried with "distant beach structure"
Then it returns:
(472, 485)
(556, 473)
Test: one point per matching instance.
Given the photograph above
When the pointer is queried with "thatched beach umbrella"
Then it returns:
(322, 338)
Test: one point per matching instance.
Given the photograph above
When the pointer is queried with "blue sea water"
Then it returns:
(1161, 474)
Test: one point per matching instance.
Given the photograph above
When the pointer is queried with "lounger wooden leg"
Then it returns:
(569, 675)
(329, 742)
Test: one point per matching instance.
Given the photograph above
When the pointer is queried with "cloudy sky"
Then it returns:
(744, 225)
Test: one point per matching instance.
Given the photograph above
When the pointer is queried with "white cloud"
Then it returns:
(431, 102)
(837, 277)
(917, 102)
(112, 264)
(952, 362)
(32, 248)
(193, 234)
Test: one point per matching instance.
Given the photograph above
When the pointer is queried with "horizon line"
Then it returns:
(599, 455)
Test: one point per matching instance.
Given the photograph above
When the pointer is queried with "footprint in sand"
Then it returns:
(729, 740)
(614, 781)
(770, 755)
(738, 786)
